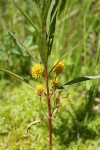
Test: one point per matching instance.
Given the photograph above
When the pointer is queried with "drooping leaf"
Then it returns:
(36, 121)
(32, 123)
(27, 17)
(17, 76)
(21, 45)
(80, 79)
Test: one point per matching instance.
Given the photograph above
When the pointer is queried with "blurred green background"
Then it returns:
(76, 125)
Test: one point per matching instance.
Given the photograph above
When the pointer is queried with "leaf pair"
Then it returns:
(78, 80)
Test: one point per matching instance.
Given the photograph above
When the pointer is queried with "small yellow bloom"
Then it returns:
(39, 90)
(55, 83)
(59, 68)
(37, 70)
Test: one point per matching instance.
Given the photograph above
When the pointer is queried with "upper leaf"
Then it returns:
(50, 23)
(37, 11)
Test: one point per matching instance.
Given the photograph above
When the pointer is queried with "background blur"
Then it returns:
(76, 125)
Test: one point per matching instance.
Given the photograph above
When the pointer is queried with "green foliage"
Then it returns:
(46, 15)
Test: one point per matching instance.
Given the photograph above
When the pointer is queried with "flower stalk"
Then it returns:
(49, 108)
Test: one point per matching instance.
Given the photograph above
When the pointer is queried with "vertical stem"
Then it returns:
(49, 109)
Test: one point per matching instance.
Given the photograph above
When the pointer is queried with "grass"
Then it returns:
(19, 107)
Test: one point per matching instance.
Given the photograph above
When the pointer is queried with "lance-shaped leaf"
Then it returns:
(37, 11)
(49, 16)
(46, 9)
(21, 45)
(50, 23)
(27, 17)
(43, 49)
(80, 79)
(17, 76)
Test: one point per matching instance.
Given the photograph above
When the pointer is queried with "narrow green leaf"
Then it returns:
(49, 16)
(43, 49)
(54, 15)
(37, 11)
(17, 76)
(27, 17)
(21, 45)
(50, 23)
(80, 79)
(46, 11)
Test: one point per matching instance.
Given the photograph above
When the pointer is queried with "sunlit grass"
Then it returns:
(19, 107)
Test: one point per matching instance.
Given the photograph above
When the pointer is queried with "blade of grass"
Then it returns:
(86, 7)
(67, 53)
(61, 31)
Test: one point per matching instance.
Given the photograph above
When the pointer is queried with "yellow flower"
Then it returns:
(37, 70)
(59, 68)
(39, 90)
(55, 83)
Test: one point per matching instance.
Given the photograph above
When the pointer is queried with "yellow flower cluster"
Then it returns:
(39, 90)
(59, 68)
(55, 83)
(37, 70)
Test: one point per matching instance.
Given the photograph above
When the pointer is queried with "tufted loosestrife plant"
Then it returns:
(46, 13)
